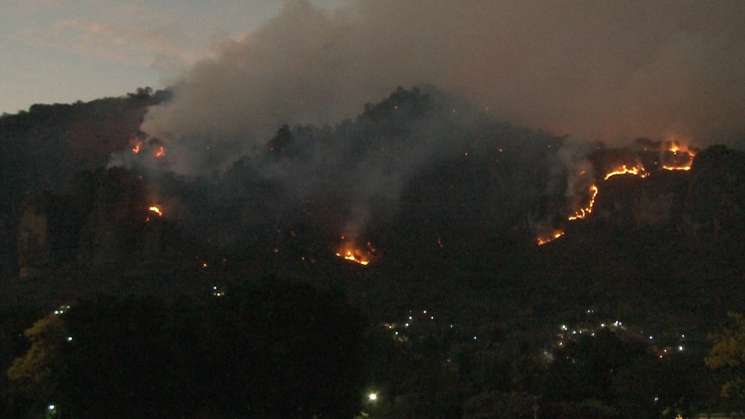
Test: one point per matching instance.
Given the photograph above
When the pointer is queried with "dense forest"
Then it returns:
(386, 266)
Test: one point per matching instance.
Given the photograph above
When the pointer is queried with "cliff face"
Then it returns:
(715, 199)
(33, 241)
(111, 231)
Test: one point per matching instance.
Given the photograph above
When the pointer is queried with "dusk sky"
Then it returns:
(68, 50)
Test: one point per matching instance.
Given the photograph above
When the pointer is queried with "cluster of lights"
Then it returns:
(217, 291)
(61, 310)
(398, 328)
(568, 333)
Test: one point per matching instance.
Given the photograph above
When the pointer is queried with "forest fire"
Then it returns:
(136, 147)
(543, 240)
(636, 170)
(351, 253)
(582, 213)
(160, 152)
(678, 157)
(154, 209)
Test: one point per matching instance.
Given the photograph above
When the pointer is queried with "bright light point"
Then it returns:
(372, 397)
(602, 324)
(51, 407)
(651, 337)
(475, 338)
(680, 348)
(69, 338)
(564, 327)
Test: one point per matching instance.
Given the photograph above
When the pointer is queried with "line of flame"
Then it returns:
(584, 212)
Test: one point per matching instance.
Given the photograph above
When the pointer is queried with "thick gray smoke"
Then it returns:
(597, 70)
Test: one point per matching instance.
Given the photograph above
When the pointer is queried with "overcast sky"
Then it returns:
(65, 50)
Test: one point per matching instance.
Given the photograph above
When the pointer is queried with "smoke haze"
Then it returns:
(594, 70)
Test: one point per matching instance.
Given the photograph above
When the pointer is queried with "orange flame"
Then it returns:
(136, 148)
(582, 213)
(350, 253)
(684, 167)
(155, 210)
(681, 159)
(556, 234)
(160, 152)
(637, 170)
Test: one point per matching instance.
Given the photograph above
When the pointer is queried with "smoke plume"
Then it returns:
(596, 70)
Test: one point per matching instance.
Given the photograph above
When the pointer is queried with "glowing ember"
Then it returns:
(160, 152)
(556, 234)
(582, 213)
(136, 148)
(156, 210)
(637, 170)
(351, 254)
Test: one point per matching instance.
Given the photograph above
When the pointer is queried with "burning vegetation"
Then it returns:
(154, 211)
(135, 145)
(160, 152)
(635, 170)
(585, 211)
(677, 157)
(352, 253)
(669, 155)
(154, 147)
(543, 240)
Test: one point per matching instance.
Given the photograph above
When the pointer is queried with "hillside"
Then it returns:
(421, 202)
